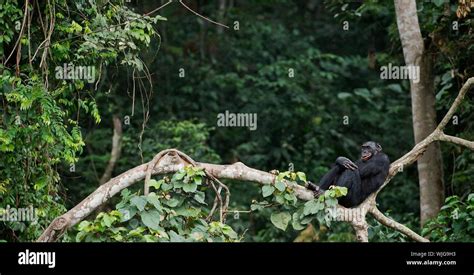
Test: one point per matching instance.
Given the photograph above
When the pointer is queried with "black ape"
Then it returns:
(361, 179)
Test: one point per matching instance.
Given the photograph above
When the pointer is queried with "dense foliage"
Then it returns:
(291, 63)
(40, 123)
(455, 221)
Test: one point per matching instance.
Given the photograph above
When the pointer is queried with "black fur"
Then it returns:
(360, 182)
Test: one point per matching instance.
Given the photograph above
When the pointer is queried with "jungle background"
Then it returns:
(56, 135)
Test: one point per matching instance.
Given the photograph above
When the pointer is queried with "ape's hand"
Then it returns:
(346, 163)
(317, 191)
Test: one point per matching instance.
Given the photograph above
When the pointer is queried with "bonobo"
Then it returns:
(361, 178)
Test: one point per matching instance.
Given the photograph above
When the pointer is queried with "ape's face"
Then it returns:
(369, 149)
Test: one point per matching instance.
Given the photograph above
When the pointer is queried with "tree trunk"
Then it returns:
(430, 165)
(115, 152)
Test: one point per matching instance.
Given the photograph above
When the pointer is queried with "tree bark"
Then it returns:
(430, 165)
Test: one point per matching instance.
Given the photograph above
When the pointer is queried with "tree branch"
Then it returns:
(456, 140)
(464, 89)
(379, 216)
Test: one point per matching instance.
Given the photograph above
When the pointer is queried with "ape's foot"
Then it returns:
(316, 189)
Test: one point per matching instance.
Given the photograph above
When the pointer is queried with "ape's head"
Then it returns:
(369, 149)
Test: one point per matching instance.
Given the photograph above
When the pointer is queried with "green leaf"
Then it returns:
(256, 207)
(301, 176)
(159, 17)
(199, 197)
(154, 200)
(127, 213)
(339, 191)
(330, 193)
(198, 180)
(107, 220)
(395, 87)
(41, 183)
(188, 211)
(312, 207)
(439, 3)
(179, 175)
(150, 238)
(171, 202)
(280, 186)
(190, 187)
(125, 193)
(166, 186)
(136, 232)
(139, 202)
(362, 92)
(178, 184)
(151, 219)
(343, 95)
(267, 190)
(470, 197)
(331, 202)
(283, 175)
(280, 220)
(83, 225)
(155, 184)
(229, 232)
(291, 197)
(296, 223)
(280, 199)
(175, 238)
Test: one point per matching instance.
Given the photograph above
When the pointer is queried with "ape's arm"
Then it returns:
(331, 177)
(339, 166)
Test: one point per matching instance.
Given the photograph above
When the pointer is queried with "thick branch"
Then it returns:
(456, 140)
(361, 230)
(379, 216)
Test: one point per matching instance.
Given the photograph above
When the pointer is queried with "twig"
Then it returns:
(203, 17)
(188, 8)
(21, 32)
(227, 199)
(217, 200)
(159, 8)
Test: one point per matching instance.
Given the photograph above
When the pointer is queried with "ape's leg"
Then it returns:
(327, 180)
(351, 180)
(330, 178)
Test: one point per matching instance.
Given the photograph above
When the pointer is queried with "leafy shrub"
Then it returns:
(173, 212)
(454, 223)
